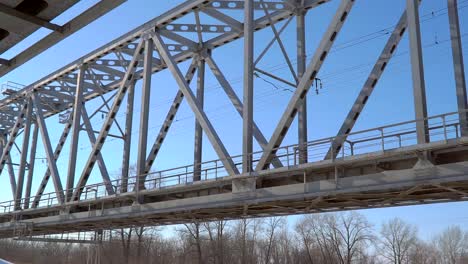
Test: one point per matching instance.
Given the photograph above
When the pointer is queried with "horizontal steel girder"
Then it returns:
(405, 185)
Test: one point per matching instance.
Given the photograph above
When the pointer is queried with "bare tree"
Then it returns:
(422, 253)
(216, 234)
(322, 228)
(193, 234)
(246, 237)
(306, 236)
(347, 232)
(125, 241)
(397, 238)
(271, 228)
(452, 245)
(338, 237)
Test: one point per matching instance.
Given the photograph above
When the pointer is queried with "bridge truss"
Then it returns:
(420, 161)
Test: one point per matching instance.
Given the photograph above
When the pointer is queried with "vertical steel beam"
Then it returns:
(247, 134)
(197, 159)
(32, 162)
(48, 149)
(301, 65)
(218, 146)
(144, 115)
(417, 67)
(458, 64)
(23, 159)
(76, 127)
(128, 138)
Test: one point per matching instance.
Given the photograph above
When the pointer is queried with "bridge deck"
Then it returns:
(371, 173)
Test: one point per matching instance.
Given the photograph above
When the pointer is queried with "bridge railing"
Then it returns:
(384, 138)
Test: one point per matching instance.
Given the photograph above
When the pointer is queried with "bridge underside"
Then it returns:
(381, 179)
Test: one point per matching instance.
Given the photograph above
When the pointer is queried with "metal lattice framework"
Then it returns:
(277, 179)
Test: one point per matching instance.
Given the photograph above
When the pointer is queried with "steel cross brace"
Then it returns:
(127, 80)
(100, 160)
(11, 140)
(188, 7)
(192, 101)
(169, 119)
(257, 133)
(305, 83)
(48, 149)
(58, 150)
(368, 88)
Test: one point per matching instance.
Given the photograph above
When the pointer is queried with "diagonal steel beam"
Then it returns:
(306, 82)
(368, 87)
(11, 140)
(126, 82)
(10, 168)
(169, 119)
(233, 23)
(29, 18)
(58, 150)
(272, 41)
(229, 165)
(257, 133)
(72, 26)
(279, 41)
(51, 162)
(100, 159)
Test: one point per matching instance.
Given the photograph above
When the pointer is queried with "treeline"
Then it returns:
(342, 238)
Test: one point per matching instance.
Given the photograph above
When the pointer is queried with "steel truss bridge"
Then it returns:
(420, 161)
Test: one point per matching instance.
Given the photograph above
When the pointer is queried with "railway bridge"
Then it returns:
(423, 160)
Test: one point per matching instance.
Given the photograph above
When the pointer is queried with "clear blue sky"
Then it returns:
(343, 75)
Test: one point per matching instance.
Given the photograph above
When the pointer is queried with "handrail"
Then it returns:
(447, 128)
